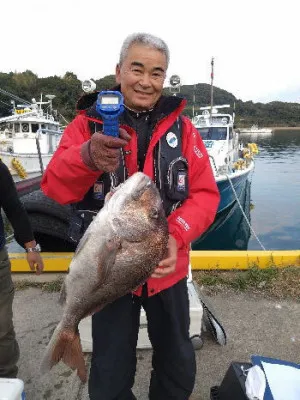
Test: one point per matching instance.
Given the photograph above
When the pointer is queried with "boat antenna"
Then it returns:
(194, 100)
(50, 97)
(233, 114)
(211, 87)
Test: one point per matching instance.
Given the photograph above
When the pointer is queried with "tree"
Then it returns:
(67, 90)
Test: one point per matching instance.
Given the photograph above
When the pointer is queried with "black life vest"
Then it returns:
(170, 176)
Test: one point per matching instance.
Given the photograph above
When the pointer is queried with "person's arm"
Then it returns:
(18, 217)
(199, 210)
(67, 178)
(13, 207)
(79, 160)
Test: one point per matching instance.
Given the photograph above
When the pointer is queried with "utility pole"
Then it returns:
(194, 100)
(211, 87)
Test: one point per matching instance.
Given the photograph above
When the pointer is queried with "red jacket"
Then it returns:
(67, 179)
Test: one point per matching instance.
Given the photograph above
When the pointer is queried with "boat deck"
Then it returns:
(28, 185)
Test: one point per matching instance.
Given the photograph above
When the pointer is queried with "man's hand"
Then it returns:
(168, 265)
(35, 262)
(105, 150)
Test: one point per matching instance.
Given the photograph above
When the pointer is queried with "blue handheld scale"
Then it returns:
(110, 104)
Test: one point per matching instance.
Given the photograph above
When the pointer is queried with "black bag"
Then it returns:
(233, 383)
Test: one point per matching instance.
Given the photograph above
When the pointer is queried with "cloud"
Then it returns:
(254, 44)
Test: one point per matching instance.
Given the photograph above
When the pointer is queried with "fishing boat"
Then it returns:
(231, 162)
(29, 137)
(231, 228)
(256, 130)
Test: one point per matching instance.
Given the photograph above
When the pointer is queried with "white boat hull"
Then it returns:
(30, 163)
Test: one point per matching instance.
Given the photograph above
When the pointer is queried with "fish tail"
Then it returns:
(65, 345)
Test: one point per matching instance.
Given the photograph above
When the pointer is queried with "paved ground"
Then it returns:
(254, 325)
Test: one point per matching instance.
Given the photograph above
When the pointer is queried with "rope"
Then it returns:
(251, 174)
(9, 237)
(13, 96)
(66, 121)
(245, 216)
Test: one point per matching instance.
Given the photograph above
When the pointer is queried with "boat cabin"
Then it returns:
(12, 128)
(219, 138)
(20, 131)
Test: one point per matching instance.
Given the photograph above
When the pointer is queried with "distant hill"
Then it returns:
(67, 90)
(275, 113)
(202, 94)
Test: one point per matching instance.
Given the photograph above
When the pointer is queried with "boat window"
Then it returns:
(44, 128)
(17, 128)
(213, 133)
(25, 127)
(2, 127)
(34, 128)
(230, 133)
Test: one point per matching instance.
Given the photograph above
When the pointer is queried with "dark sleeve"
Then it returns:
(13, 207)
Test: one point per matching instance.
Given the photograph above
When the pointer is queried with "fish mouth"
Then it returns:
(132, 189)
(145, 184)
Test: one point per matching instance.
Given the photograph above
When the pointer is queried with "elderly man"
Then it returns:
(156, 139)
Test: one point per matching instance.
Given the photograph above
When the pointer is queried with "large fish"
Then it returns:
(118, 252)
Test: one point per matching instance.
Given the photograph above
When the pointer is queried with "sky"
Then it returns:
(255, 44)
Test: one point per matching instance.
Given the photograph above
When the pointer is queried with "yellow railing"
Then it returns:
(200, 260)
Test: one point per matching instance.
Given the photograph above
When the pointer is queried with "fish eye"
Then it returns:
(154, 213)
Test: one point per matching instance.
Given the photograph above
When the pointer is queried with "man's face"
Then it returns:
(142, 76)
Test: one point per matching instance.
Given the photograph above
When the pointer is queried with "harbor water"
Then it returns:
(275, 190)
(272, 203)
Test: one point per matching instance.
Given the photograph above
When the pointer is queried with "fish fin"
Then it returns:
(63, 294)
(108, 256)
(81, 243)
(73, 357)
(65, 345)
(108, 197)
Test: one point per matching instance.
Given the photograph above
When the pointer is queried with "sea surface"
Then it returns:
(271, 201)
(275, 190)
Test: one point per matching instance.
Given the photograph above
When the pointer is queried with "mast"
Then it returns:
(211, 87)
(194, 100)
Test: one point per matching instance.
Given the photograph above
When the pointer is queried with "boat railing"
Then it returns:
(48, 117)
(51, 131)
(32, 135)
(221, 170)
(214, 164)
(17, 117)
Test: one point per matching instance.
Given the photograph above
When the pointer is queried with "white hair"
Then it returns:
(145, 39)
